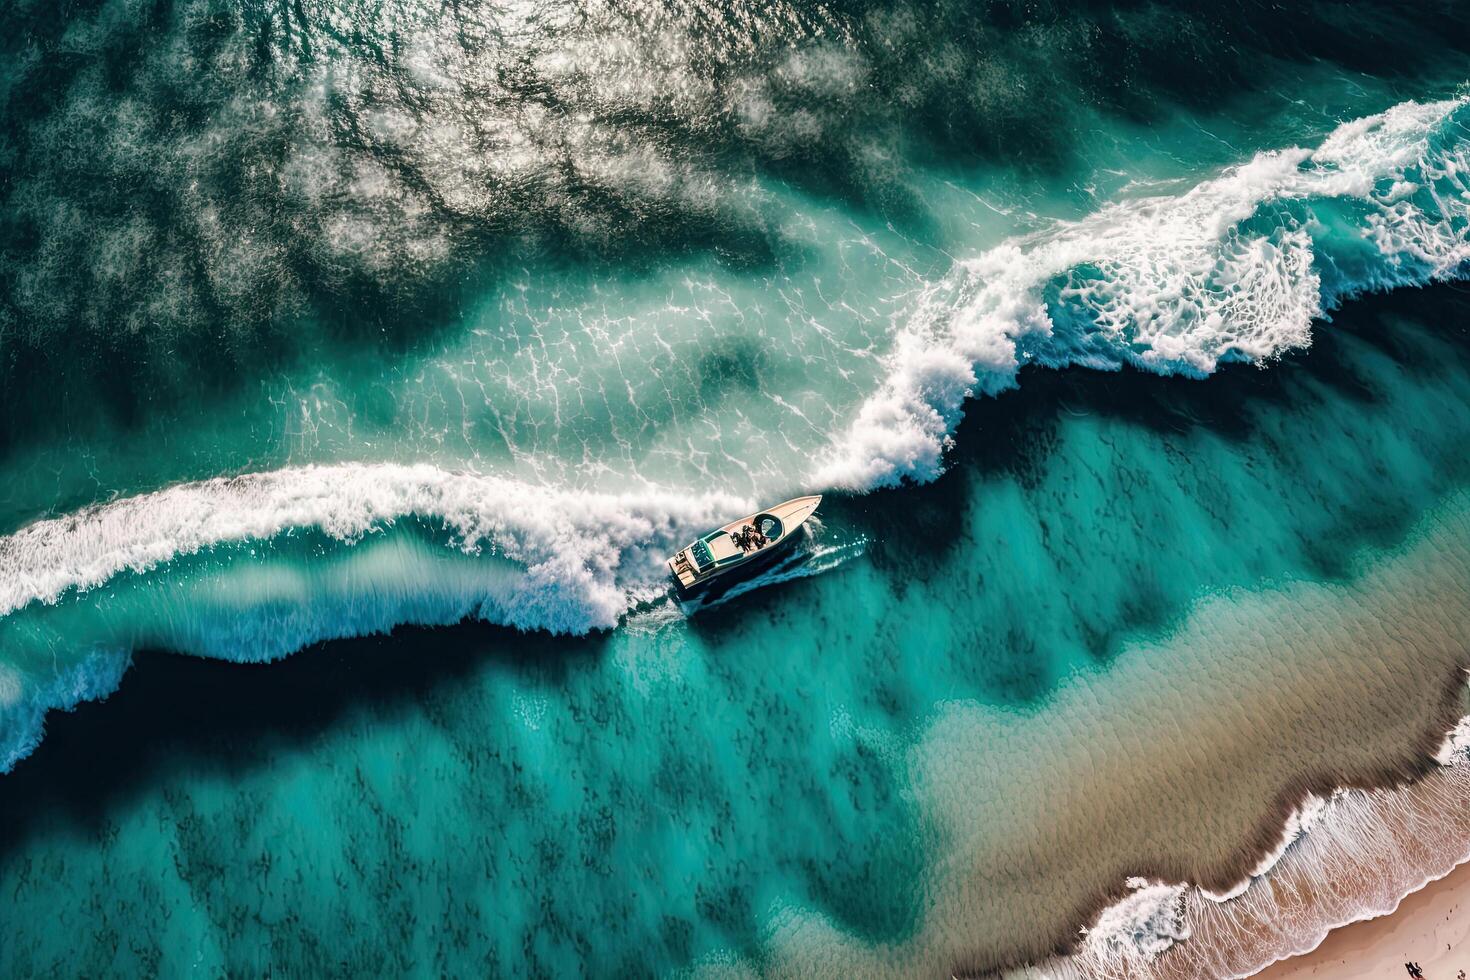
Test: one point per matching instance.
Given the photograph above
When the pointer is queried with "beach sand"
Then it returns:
(1430, 928)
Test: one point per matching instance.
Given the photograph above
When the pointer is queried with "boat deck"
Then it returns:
(718, 551)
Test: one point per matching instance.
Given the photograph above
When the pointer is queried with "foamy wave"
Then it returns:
(1237, 268)
(1142, 925)
(572, 562)
(1455, 750)
(582, 552)
(1368, 850)
(1301, 820)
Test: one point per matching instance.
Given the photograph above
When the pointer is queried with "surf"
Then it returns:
(1237, 268)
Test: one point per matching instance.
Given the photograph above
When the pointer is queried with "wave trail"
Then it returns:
(1235, 269)
(582, 552)
(570, 562)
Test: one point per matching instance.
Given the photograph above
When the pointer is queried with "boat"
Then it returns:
(740, 546)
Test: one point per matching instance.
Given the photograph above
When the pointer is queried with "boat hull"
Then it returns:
(725, 556)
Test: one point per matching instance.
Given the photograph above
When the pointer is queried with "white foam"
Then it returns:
(1139, 926)
(1301, 820)
(1129, 936)
(1165, 283)
(1169, 283)
(1455, 750)
(1230, 270)
(582, 552)
(577, 562)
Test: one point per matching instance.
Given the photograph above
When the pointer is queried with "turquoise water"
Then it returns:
(642, 799)
(362, 363)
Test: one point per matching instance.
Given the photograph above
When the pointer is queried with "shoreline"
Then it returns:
(1429, 926)
(1372, 876)
(1344, 849)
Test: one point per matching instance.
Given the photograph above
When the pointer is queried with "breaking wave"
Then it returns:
(1358, 853)
(581, 552)
(563, 562)
(1236, 268)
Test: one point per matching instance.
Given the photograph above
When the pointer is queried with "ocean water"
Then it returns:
(362, 363)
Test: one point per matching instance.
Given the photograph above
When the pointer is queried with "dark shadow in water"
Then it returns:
(175, 701)
(1016, 433)
(177, 717)
(1424, 333)
(234, 717)
(169, 702)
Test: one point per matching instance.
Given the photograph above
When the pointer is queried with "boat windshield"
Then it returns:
(769, 525)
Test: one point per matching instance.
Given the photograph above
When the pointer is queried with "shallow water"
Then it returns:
(328, 323)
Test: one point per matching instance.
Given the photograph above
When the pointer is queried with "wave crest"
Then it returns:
(582, 552)
(1235, 269)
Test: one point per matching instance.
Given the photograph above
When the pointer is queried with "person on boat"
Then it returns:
(750, 538)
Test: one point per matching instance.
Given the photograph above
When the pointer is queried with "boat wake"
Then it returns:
(820, 551)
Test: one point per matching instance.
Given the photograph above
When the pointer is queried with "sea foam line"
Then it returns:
(581, 551)
(1235, 269)
(1131, 937)
(1171, 284)
(580, 561)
